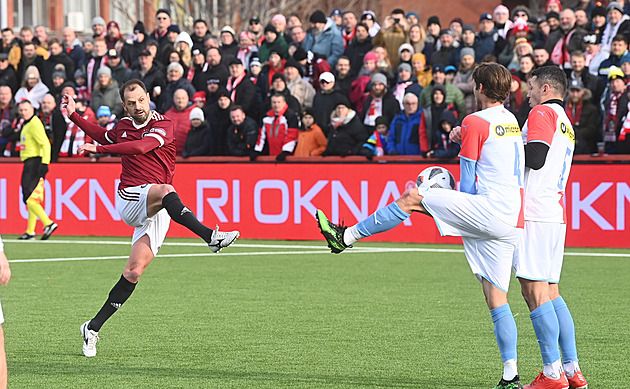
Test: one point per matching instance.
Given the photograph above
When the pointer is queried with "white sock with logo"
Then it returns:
(553, 370)
(570, 368)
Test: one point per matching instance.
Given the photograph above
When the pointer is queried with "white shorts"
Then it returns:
(489, 243)
(541, 252)
(131, 204)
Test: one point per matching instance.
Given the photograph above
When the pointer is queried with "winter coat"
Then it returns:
(219, 120)
(391, 108)
(356, 51)
(587, 127)
(453, 95)
(464, 82)
(131, 52)
(108, 96)
(311, 142)
(323, 105)
(279, 132)
(181, 125)
(348, 138)
(241, 139)
(35, 95)
(391, 39)
(121, 73)
(197, 141)
(265, 48)
(246, 95)
(405, 133)
(303, 91)
(49, 65)
(166, 98)
(154, 77)
(329, 43)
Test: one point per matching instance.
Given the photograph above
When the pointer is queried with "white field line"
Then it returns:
(315, 249)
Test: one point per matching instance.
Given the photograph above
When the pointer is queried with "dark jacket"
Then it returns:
(49, 65)
(587, 128)
(391, 107)
(9, 77)
(356, 51)
(241, 139)
(154, 77)
(121, 73)
(197, 141)
(219, 120)
(131, 52)
(246, 95)
(55, 126)
(623, 145)
(166, 99)
(323, 105)
(219, 72)
(348, 138)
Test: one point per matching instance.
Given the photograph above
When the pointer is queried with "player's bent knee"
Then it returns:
(410, 201)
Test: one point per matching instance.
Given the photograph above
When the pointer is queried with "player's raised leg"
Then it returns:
(164, 196)
(340, 237)
(566, 340)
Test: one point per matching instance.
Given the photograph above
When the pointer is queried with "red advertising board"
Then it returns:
(277, 201)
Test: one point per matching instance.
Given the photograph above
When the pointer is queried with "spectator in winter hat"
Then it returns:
(279, 21)
(412, 18)
(324, 38)
(98, 27)
(369, 19)
(502, 20)
(271, 38)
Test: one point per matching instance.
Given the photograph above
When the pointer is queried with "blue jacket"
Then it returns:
(404, 134)
(329, 43)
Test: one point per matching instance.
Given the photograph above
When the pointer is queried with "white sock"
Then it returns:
(351, 235)
(509, 369)
(570, 368)
(553, 370)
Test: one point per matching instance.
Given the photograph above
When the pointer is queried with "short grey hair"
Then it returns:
(410, 95)
(175, 65)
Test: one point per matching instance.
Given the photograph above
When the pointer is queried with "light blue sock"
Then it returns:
(547, 331)
(567, 331)
(505, 331)
(382, 220)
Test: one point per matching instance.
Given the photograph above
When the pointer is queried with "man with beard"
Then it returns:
(29, 58)
(379, 103)
(200, 33)
(242, 134)
(215, 68)
(349, 20)
(343, 75)
(150, 74)
(145, 198)
(565, 40)
(324, 38)
(242, 90)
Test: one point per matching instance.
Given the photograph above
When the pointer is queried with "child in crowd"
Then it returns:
(199, 99)
(442, 146)
(198, 138)
(80, 80)
(311, 138)
(377, 142)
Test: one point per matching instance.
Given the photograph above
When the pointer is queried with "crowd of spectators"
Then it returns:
(341, 84)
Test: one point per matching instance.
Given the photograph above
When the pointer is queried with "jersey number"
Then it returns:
(517, 165)
(567, 160)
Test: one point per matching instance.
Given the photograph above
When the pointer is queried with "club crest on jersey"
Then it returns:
(507, 129)
(567, 131)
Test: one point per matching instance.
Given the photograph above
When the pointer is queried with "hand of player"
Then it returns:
(5, 270)
(456, 135)
(87, 147)
(67, 102)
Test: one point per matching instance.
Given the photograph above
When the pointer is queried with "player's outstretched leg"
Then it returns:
(567, 345)
(339, 237)
(183, 215)
(332, 232)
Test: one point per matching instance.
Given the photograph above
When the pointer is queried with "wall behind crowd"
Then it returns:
(333, 83)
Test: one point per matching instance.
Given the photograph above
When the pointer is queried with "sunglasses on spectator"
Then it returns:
(162, 18)
(253, 22)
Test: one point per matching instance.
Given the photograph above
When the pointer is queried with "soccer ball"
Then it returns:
(435, 177)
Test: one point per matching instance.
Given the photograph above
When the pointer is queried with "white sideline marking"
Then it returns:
(316, 249)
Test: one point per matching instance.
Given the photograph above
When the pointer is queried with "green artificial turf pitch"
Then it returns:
(276, 314)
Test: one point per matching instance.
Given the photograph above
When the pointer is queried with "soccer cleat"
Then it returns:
(544, 382)
(577, 381)
(89, 340)
(222, 239)
(49, 229)
(332, 232)
(514, 383)
(26, 236)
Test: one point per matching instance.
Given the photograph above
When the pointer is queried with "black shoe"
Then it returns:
(48, 230)
(514, 383)
(332, 232)
(26, 236)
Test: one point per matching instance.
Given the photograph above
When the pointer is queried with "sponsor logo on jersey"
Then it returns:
(158, 130)
(567, 130)
(124, 134)
(507, 129)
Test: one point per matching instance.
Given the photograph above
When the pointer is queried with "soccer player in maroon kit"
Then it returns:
(145, 198)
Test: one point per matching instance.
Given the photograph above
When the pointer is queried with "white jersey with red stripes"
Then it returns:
(492, 138)
(545, 187)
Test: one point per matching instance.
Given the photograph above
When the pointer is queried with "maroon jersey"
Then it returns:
(147, 151)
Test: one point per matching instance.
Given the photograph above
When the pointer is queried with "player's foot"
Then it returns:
(577, 381)
(514, 383)
(221, 239)
(332, 232)
(49, 229)
(89, 340)
(26, 236)
(544, 382)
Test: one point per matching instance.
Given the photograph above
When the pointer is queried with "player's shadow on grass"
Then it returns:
(179, 373)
